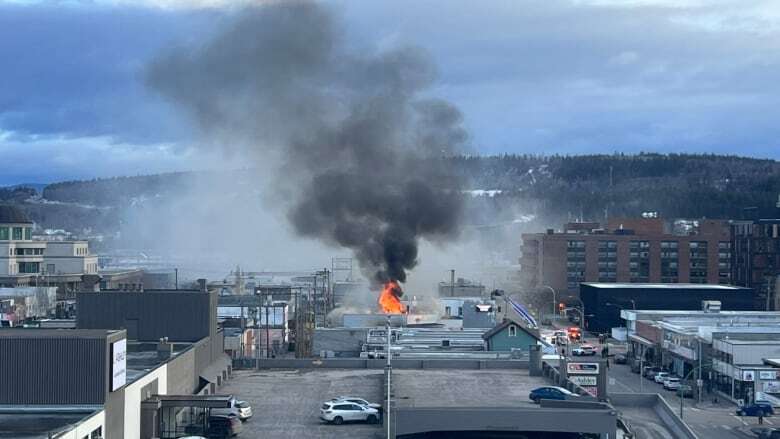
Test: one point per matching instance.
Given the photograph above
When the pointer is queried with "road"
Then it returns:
(708, 419)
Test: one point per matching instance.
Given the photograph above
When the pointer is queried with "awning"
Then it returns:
(641, 340)
(215, 369)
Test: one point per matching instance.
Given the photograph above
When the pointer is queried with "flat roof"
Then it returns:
(56, 333)
(634, 286)
(35, 424)
(750, 342)
(464, 388)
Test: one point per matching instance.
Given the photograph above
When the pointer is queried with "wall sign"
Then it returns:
(771, 386)
(118, 364)
(582, 368)
(767, 374)
(583, 380)
(748, 375)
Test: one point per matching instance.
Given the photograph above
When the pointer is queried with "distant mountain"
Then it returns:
(542, 190)
(37, 186)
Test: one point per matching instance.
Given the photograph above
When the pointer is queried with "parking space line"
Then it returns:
(740, 419)
(769, 422)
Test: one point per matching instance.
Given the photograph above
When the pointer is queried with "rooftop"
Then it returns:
(13, 215)
(634, 286)
(43, 422)
(464, 388)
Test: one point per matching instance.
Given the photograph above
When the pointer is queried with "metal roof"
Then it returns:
(662, 286)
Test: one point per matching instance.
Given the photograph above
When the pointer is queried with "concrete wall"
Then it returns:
(414, 420)
(358, 363)
(86, 427)
(659, 406)
(339, 340)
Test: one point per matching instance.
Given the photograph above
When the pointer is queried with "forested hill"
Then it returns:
(551, 187)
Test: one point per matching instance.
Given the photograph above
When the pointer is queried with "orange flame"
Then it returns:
(390, 299)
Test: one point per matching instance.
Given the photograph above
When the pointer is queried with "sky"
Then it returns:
(539, 77)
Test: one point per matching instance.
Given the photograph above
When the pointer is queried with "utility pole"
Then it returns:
(389, 370)
(452, 283)
(267, 327)
(176, 278)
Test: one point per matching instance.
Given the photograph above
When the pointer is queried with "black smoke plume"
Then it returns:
(360, 145)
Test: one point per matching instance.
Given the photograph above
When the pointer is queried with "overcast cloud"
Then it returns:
(551, 76)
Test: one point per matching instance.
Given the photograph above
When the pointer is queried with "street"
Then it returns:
(708, 419)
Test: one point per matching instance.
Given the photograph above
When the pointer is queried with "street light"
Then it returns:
(267, 327)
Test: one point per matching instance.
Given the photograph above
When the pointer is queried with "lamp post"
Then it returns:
(267, 328)
(582, 310)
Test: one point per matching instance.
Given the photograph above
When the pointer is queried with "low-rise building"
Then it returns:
(510, 335)
(26, 262)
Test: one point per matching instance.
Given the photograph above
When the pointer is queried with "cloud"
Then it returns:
(554, 76)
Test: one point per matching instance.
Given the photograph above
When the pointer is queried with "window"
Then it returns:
(447, 311)
(460, 311)
(28, 233)
(18, 233)
(4, 234)
(512, 331)
(29, 267)
(607, 261)
(50, 268)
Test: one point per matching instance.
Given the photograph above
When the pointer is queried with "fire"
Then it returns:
(390, 299)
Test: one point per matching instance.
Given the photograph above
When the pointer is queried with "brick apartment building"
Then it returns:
(636, 250)
(756, 257)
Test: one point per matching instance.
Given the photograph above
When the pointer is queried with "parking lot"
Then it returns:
(286, 403)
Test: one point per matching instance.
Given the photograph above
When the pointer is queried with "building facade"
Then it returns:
(644, 250)
(25, 261)
(756, 257)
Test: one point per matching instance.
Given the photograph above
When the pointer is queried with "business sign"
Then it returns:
(582, 368)
(748, 375)
(767, 374)
(583, 380)
(118, 364)
(771, 386)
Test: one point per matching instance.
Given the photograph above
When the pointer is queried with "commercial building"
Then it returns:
(18, 305)
(641, 250)
(140, 365)
(603, 302)
(726, 349)
(25, 262)
(756, 258)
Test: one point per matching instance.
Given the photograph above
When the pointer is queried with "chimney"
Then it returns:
(202, 285)
(164, 349)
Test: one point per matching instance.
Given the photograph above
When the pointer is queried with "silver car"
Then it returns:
(339, 412)
(357, 400)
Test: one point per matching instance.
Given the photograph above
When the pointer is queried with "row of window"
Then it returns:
(25, 251)
(15, 233)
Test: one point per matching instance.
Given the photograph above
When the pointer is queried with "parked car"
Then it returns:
(584, 350)
(357, 400)
(635, 366)
(223, 426)
(550, 392)
(621, 359)
(756, 409)
(650, 371)
(242, 409)
(660, 377)
(562, 340)
(340, 412)
(685, 391)
(671, 383)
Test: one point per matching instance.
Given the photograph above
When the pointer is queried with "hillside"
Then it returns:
(504, 188)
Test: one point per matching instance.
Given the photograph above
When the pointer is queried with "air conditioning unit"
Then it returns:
(710, 306)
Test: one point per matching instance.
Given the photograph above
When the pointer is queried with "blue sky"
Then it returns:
(548, 76)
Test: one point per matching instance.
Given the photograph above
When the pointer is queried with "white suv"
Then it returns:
(242, 409)
(671, 383)
(357, 400)
(660, 377)
(339, 412)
